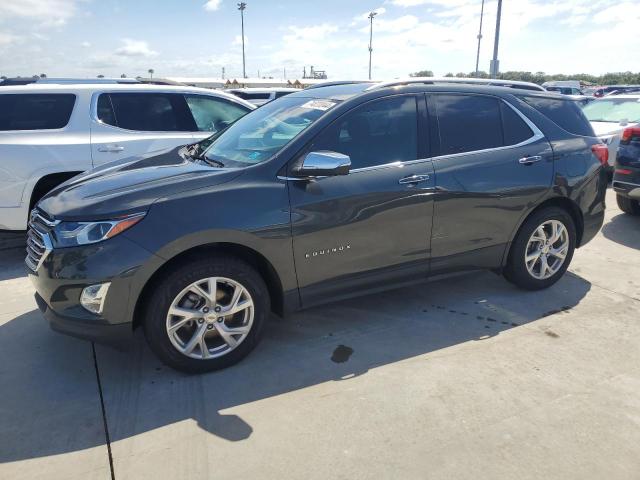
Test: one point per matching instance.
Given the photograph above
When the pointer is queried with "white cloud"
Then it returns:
(85, 44)
(47, 12)
(212, 5)
(135, 48)
(396, 25)
(8, 39)
(237, 41)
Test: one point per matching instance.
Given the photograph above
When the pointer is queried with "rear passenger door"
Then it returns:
(126, 124)
(492, 165)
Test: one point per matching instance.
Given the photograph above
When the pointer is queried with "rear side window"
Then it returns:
(35, 111)
(468, 123)
(564, 113)
(253, 95)
(282, 94)
(514, 128)
(146, 112)
(213, 114)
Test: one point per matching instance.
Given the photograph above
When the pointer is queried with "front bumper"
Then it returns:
(66, 272)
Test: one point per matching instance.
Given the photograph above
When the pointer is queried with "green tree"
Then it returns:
(422, 73)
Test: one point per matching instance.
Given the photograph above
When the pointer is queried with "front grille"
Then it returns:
(38, 240)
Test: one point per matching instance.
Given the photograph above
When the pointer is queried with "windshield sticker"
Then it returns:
(319, 104)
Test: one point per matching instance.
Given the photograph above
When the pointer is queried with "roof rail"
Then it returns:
(62, 81)
(336, 83)
(465, 81)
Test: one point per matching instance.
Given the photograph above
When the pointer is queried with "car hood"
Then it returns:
(130, 185)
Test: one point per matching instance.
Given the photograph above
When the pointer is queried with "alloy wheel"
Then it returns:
(210, 318)
(547, 249)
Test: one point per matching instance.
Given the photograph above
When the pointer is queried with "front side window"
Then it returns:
(35, 111)
(258, 136)
(377, 133)
(213, 114)
(468, 123)
(145, 112)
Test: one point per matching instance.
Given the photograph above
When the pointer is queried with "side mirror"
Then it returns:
(324, 164)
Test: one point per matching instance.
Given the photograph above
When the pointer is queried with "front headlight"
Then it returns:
(71, 234)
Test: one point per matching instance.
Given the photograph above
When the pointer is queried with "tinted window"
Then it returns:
(213, 114)
(282, 94)
(105, 110)
(379, 132)
(514, 128)
(151, 112)
(468, 123)
(35, 111)
(252, 96)
(564, 113)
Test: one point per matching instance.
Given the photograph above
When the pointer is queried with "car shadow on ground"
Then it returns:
(334, 343)
(623, 229)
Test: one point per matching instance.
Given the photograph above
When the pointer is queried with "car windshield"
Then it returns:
(261, 134)
(613, 110)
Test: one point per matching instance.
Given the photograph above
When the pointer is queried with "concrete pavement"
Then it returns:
(462, 378)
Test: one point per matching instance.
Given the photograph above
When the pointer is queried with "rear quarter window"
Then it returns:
(35, 111)
(564, 113)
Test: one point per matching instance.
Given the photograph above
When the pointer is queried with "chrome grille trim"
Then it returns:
(38, 241)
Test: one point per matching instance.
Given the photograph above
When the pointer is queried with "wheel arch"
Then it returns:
(46, 183)
(251, 256)
(561, 202)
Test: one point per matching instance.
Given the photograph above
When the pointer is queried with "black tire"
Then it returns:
(516, 270)
(628, 205)
(169, 288)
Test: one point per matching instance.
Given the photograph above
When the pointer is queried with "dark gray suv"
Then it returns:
(321, 195)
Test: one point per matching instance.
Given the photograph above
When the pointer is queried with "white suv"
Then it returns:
(50, 133)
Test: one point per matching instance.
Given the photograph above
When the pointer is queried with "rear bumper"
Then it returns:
(627, 184)
(118, 336)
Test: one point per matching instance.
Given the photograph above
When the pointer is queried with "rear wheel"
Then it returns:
(207, 314)
(627, 205)
(542, 249)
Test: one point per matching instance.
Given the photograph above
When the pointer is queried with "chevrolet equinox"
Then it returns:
(320, 195)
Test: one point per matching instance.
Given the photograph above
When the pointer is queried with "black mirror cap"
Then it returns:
(324, 164)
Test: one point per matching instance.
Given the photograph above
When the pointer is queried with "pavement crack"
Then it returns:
(104, 412)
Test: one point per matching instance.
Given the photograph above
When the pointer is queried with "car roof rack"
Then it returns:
(464, 81)
(337, 83)
(62, 81)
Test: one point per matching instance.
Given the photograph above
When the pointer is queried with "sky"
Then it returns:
(85, 38)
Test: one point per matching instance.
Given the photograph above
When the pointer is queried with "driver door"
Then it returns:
(372, 227)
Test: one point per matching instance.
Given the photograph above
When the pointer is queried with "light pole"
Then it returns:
(479, 38)
(241, 7)
(371, 15)
(495, 65)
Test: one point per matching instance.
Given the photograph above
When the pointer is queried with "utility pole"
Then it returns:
(495, 64)
(242, 6)
(479, 39)
(371, 15)
(223, 73)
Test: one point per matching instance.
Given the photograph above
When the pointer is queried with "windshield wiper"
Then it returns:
(194, 153)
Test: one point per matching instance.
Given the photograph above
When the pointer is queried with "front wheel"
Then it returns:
(207, 314)
(542, 249)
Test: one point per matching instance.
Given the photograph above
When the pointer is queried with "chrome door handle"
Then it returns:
(111, 148)
(411, 179)
(529, 160)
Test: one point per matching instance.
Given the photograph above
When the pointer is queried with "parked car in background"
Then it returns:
(626, 177)
(565, 87)
(610, 115)
(604, 91)
(260, 96)
(50, 132)
(325, 194)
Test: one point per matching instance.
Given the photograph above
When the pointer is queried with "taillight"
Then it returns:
(623, 171)
(630, 133)
(601, 152)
